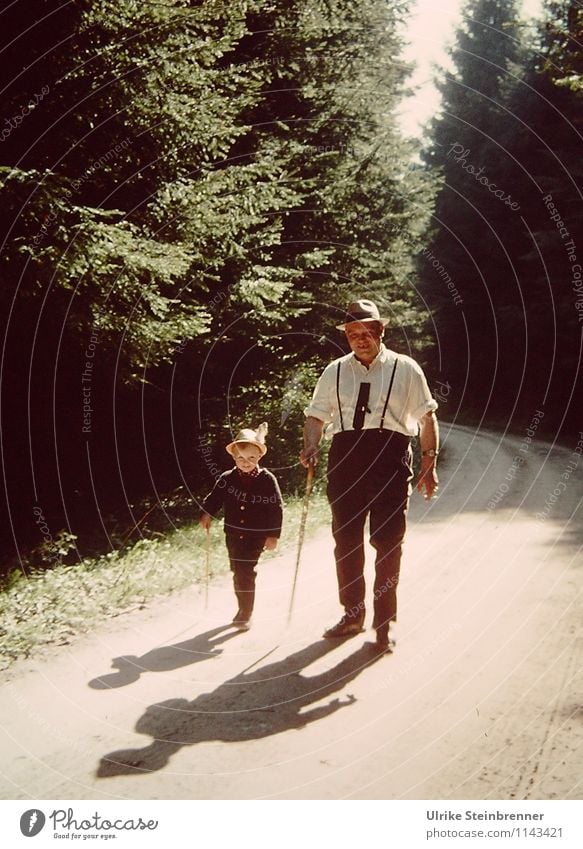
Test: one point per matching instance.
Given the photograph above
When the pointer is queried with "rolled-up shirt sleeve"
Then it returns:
(323, 400)
(420, 398)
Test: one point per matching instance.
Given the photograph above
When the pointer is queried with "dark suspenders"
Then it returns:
(338, 396)
(388, 394)
(386, 399)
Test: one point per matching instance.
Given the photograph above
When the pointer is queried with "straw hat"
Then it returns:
(251, 437)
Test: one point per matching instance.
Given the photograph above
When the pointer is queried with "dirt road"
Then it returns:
(482, 699)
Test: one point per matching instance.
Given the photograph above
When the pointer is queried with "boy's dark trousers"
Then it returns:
(369, 473)
(243, 556)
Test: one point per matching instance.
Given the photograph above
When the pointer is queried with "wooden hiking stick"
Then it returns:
(309, 481)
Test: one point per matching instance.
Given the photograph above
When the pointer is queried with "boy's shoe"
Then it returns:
(386, 640)
(242, 621)
(347, 627)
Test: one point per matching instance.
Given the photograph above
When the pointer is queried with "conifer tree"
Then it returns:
(509, 138)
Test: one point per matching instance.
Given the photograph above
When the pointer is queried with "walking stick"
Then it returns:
(208, 568)
(309, 481)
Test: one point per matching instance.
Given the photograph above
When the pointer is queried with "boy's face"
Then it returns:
(246, 456)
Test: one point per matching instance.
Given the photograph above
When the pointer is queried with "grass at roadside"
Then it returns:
(51, 607)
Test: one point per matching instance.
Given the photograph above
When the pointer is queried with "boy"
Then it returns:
(253, 511)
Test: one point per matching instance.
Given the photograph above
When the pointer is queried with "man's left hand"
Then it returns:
(428, 482)
(270, 544)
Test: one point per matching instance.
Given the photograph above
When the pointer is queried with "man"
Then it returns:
(372, 402)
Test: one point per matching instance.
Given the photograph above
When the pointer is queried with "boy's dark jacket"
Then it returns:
(252, 505)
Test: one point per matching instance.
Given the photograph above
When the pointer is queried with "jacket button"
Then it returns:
(242, 506)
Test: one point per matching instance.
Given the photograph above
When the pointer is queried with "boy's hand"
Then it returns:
(205, 521)
(270, 544)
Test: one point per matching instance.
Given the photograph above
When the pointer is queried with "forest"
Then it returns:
(193, 191)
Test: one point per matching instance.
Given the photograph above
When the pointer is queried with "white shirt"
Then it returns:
(410, 397)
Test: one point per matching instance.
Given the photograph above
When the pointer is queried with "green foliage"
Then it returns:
(118, 282)
(243, 150)
(561, 43)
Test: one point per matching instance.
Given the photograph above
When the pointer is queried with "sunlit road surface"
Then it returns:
(483, 698)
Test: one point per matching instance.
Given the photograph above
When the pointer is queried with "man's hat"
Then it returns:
(251, 437)
(362, 310)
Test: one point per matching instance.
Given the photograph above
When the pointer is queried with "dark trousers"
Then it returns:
(369, 474)
(243, 557)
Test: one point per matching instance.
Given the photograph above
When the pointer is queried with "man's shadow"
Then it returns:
(249, 706)
(163, 659)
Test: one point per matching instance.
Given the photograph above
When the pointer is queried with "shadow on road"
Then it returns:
(130, 667)
(249, 706)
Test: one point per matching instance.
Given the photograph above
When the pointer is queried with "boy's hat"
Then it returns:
(251, 437)
(362, 310)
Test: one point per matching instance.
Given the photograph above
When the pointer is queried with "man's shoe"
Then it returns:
(347, 627)
(386, 640)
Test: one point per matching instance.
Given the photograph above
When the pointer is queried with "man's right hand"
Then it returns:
(309, 457)
(205, 521)
(312, 436)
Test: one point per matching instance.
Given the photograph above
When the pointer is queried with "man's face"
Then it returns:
(364, 338)
(246, 456)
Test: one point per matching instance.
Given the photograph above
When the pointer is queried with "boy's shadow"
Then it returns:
(249, 706)
(130, 667)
